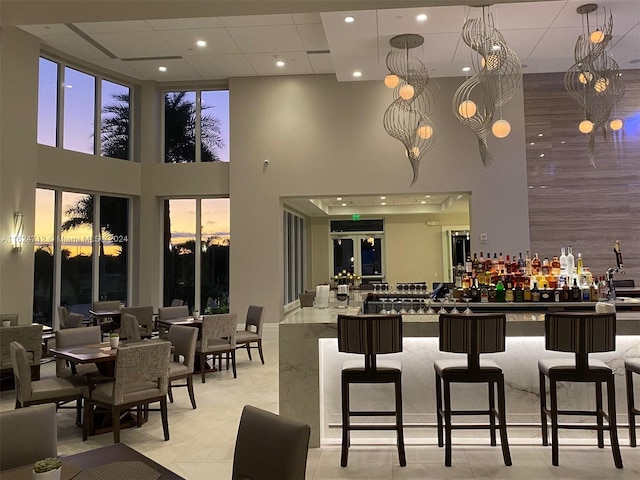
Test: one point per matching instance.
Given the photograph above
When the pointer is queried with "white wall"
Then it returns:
(326, 138)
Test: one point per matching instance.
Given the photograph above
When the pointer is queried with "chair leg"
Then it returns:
(439, 409)
(399, 426)
(165, 418)
(233, 363)
(192, 395)
(79, 411)
(506, 454)
(543, 407)
(554, 421)
(88, 417)
(613, 424)
(631, 405)
(115, 419)
(345, 422)
(599, 415)
(260, 351)
(170, 392)
(447, 422)
(227, 359)
(203, 360)
(492, 409)
(248, 350)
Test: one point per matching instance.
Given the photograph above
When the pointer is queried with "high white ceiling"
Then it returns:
(542, 34)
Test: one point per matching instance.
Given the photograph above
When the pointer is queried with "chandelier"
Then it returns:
(594, 80)
(415, 96)
(498, 77)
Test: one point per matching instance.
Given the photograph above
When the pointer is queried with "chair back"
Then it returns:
(472, 334)
(184, 341)
(27, 435)
(581, 333)
(167, 313)
(269, 446)
(176, 302)
(370, 335)
(129, 329)
(255, 319)
(30, 336)
(106, 305)
(144, 316)
(144, 362)
(72, 337)
(21, 372)
(12, 317)
(215, 327)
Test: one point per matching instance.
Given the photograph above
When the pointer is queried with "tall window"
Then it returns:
(43, 269)
(196, 126)
(114, 242)
(77, 96)
(293, 230)
(197, 272)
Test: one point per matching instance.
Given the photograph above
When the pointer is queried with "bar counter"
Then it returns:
(310, 368)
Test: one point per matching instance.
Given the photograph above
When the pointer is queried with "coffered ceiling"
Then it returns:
(542, 34)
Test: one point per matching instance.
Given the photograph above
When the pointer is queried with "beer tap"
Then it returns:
(611, 271)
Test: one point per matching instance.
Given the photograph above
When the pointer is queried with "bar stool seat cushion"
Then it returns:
(454, 365)
(568, 365)
(632, 364)
(386, 366)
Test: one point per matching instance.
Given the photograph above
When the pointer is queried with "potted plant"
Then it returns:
(47, 469)
(114, 340)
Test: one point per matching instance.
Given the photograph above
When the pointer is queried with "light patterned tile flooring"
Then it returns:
(202, 441)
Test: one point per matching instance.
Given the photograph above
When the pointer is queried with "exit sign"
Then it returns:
(355, 217)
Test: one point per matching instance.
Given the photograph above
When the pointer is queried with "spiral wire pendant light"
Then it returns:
(415, 96)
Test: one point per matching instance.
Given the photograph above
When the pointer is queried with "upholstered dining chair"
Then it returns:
(169, 313)
(27, 435)
(177, 302)
(269, 446)
(218, 338)
(30, 337)
(252, 332)
(184, 341)
(129, 329)
(69, 320)
(71, 337)
(141, 377)
(105, 305)
(48, 390)
(145, 319)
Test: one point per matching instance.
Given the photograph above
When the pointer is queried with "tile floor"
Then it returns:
(202, 441)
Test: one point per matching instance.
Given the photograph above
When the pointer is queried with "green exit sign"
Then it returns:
(355, 217)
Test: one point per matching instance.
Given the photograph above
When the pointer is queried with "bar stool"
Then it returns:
(472, 334)
(631, 366)
(580, 333)
(370, 335)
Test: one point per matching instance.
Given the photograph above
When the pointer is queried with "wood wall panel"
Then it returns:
(570, 202)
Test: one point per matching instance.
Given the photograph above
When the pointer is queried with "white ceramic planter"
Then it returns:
(50, 475)
(114, 342)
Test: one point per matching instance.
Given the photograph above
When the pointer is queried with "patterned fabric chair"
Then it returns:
(145, 319)
(141, 377)
(69, 320)
(371, 335)
(129, 329)
(218, 338)
(30, 337)
(48, 390)
(580, 334)
(269, 446)
(471, 334)
(252, 332)
(184, 341)
(27, 435)
(169, 313)
(76, 336)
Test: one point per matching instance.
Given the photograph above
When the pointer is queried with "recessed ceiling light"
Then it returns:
(543, 186)
(495, 47)
(349, 19)
(162, 68)
(201, 43)
(530, 186)
(280, 63)
(68, 85)
(532, 143)
(422, 17)
(541, 134)
(383, 198)
(563, 141)
(541, 155)
(423, 202)
(339, 198)
(357, 74)
(383, 203)
(344, 204)
(466, 69)
(427, 196)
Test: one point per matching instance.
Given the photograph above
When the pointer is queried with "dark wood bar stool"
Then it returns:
(631, 366)
(580, 333)
(472, 334)
(370, 335)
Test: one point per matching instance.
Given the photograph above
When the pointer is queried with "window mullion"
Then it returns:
(95, 253)
(198, 254)
(97, 116)
(60, 106)
(198, 125)
(57, 257)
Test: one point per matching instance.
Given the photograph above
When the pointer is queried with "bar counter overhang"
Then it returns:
(310, 366)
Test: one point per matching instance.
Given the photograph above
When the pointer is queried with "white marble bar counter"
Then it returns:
(310, 371)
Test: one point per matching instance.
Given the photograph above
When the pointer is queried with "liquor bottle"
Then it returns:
(481, 264)
(565, 295)
(580, 264)
(556, 295)
(585, 291)
(515, 267)
(526, 293)
(555, 266)
(509, 294)
(519, 293)
(616, 249)
(535, 265)
(593, 290)
(527, 265)
(500, 292)
(484, 294)
(535, 293)
(474, 264)
(468, 265)
(474, 291)
(571, 263)
(501, 270)
(545, 269)
(545, 295)
(507, 265)
(494, 264)
(575, 290)
(563, 263)
(492, 293)
(602, 289)
(488, 264)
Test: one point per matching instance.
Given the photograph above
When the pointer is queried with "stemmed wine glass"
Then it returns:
(393, 311)
(442, 309)
(421, 302)
(430, 311)
(411, 309)
(454, 310)
(403, 310)
(467, 311)
(384, 310)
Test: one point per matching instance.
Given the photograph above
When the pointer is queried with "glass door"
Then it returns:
(360, 254)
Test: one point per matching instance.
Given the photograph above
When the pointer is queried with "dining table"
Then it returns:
(113, 462)
(108, 320)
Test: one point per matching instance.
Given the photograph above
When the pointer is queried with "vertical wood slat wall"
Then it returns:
(570, 202)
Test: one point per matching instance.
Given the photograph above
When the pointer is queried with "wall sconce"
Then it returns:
(17, 238)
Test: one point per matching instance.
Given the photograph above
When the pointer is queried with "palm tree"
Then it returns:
(114, 131)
